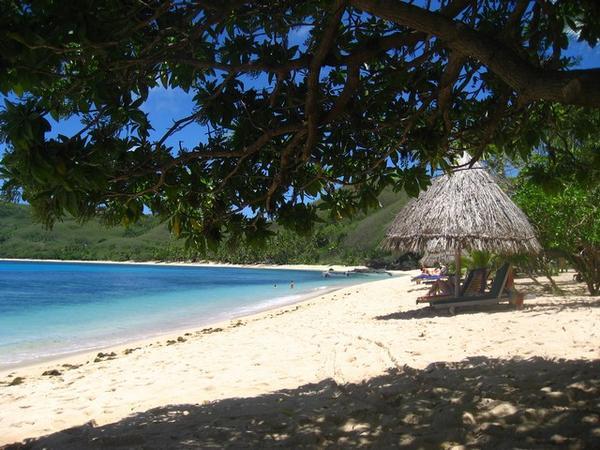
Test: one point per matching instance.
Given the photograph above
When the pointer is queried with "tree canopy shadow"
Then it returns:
(569, 303)
(556, 306)
(478, 403)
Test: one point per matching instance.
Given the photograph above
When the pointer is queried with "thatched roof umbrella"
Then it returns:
(463, 210)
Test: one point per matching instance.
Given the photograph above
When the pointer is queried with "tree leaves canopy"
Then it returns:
(559, 189)
(374, 94)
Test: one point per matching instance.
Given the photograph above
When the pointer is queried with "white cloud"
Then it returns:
(173, 102)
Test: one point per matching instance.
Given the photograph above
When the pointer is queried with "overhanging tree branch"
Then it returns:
(312, 83)
(576, 87)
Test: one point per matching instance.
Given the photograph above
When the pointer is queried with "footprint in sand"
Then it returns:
(20, 424)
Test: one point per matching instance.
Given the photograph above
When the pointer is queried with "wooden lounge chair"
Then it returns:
(498, 292)
(474, 284)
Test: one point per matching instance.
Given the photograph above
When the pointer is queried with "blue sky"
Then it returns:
(590, 57)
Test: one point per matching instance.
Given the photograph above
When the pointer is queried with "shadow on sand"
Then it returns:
(569, 303)
(478, 403)
(428, 313)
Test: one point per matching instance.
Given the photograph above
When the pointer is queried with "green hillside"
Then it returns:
(21, 237)
(367, 231)
(350, 241)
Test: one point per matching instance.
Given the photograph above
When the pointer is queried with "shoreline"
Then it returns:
(150, 335)
(313, 267)
(69, 357)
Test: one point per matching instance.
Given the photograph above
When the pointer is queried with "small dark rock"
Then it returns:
(16, 381)
(105, 356)
(212, 330)
(130, 350)
(52, 373)
(181, 339)
(71, 366)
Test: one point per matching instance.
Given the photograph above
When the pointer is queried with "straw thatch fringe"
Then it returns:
(467, 210)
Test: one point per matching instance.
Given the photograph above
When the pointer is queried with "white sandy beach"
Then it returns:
(197, 264)
(348, 336)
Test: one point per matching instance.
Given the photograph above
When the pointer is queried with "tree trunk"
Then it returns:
(555, 287)
(533, 278)
(587, 263)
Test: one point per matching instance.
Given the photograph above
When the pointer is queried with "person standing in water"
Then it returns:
(292, 284)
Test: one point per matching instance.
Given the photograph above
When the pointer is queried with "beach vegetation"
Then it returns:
(568, 223)
(559, 190)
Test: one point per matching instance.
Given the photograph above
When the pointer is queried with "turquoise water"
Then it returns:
(49, 309)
